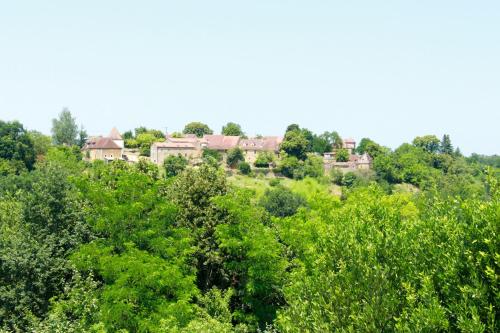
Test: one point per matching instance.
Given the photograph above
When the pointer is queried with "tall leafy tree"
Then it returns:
(342, 155)
(232, 129)
(295, 144)
(64, 129)
(197, 128)
(16, 145)
(429, 143)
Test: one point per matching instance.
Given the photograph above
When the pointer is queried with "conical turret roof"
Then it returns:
(115, 135)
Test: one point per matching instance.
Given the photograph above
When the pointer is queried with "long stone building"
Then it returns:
(192, 147)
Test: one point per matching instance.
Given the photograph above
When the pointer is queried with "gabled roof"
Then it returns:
(100, 143)
(269, 143)
(221, 142)
(170, 144)
(114, 134)
(349, 140)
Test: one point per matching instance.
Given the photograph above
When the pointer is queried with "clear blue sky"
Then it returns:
(388, 70)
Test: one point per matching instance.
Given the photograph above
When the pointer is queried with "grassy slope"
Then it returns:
(305, 187)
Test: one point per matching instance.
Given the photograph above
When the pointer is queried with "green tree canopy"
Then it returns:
(295, 144)
(232, 129)
(197, 128)
(174, 165)
(429, 143)
(342, 155)
(16, 146)
(64, 129)
(234, 156)
(446, 147)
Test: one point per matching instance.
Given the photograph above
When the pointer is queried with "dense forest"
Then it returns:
(409, 246)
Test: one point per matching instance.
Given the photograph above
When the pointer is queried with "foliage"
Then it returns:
(244, 168)
(234, 157)
(264, 159)
(295, 144)
(413, 269)
(370, 147)
(342, 155)
(197, 128)
(16, 146)
(313, 166)
(446, 147)
(429, 143)
(113, 247)
(174, 165)
(64, 129)
(40, 225)
(281, 202)
(254, 260)
(41, 143)
(142, 259)
(232, 129)
(193, 192)
(212, 154)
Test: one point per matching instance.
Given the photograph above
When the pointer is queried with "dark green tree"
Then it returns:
(342, 155)
(197, 128)
(429, 143)
(295, 144)
(281, 202)
(16, 146)
(174, 165)
(446, 146)
(234, 156)
(232, 129)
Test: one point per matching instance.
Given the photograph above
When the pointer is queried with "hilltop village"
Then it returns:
(194, 147)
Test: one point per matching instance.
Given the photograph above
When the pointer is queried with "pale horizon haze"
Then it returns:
(387, 70)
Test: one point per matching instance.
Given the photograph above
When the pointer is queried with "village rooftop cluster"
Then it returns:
(191, 147)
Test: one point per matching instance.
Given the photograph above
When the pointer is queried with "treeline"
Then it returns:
(115, 247)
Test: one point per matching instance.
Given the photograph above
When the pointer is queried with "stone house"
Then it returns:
(356, 162)
(189, 147)
(252, 147)
(99, 148)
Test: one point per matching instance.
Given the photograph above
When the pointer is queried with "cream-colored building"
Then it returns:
(252, 147)
(188, 147)
(99, 148)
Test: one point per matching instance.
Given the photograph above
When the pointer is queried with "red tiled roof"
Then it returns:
(221, 142)
(101, 143)
(270, 143)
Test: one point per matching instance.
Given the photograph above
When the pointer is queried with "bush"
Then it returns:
(336, 175)
(174, 165)
(281, 202)
(234, 156)
(211, 153)
(313, 166)
(274, 182)
(244, 168)
(263, 159)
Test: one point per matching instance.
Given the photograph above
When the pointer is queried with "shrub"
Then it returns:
(244, 168)
(274, 182)
(264, 159)
(174, 165)
(234, 156)
(281, 202)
